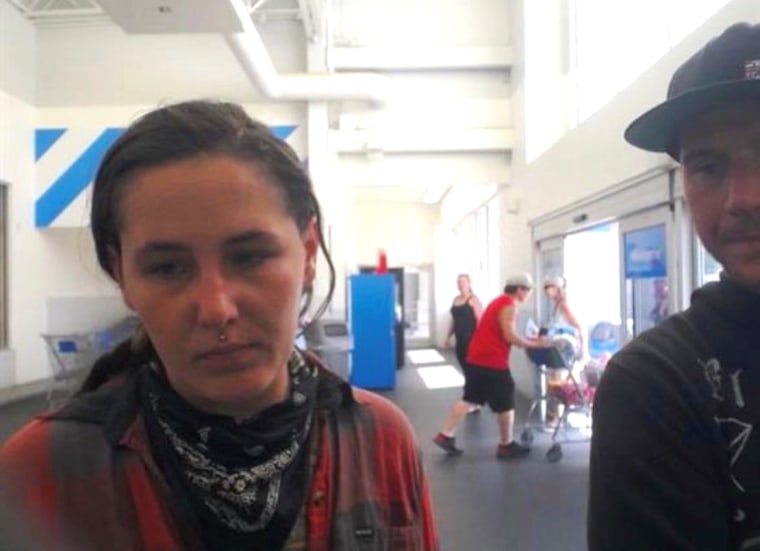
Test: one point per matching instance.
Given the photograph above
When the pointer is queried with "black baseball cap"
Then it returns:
(727, 69)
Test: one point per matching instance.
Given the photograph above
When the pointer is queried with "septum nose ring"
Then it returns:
(221, 336)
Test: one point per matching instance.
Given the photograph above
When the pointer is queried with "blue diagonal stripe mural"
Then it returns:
(282, 132)
(73, 180)
(44, 138)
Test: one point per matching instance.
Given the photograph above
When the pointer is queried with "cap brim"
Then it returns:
(657, 129)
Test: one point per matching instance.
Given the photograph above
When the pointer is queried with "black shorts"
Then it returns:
(494, 387)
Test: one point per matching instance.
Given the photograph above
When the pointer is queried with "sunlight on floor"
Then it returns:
(441, 376)
(425, 356)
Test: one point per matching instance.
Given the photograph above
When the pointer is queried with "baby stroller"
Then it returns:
(569, 392)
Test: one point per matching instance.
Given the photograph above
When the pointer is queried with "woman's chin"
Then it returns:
(239, 396)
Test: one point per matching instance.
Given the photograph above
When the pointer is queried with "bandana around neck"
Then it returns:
(238, 473)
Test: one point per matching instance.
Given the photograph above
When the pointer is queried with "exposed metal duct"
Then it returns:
(252, 55)
(232, 19)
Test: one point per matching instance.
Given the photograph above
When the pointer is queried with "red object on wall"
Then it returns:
(382, 262)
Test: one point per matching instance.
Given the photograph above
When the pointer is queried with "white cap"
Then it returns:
(556, 281)
(520, 280)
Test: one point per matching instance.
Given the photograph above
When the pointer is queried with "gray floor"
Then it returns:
(485, 504)
(480, 503)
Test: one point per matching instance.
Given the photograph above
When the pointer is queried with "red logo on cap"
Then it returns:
(752, 69)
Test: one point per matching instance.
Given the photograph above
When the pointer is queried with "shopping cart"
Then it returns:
(562, 389)
(72, 354)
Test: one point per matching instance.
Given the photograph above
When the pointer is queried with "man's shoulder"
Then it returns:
(668, 359)
(674, 341)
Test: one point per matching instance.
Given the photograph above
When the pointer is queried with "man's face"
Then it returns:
(522, 293)
(720, 154)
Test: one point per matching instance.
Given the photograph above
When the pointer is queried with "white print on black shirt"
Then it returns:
(712, 371)
(737, 388)
(739, 432)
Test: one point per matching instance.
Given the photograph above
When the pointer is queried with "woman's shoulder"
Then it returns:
(384, 413)
(78, 424)
(25, 457)
(29, 440)
(72, 425)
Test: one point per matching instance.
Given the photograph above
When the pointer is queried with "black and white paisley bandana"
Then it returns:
(245, 475)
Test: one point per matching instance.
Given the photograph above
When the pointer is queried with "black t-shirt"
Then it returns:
(675, 456)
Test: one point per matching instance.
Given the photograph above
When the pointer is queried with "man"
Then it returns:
(675, 458)
(489, 379)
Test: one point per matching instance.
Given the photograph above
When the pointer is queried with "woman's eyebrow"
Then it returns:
(252, 236)
(155, 247)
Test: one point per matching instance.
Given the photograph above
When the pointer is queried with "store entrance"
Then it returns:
(592, 273)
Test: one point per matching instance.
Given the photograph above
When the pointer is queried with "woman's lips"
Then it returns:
(226, 353)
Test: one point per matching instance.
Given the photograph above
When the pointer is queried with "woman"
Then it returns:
(209, 430)
(466, 310)
(563, 323)
(562, 320)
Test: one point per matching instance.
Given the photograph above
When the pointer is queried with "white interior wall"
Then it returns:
(403, 230)
(26, 306)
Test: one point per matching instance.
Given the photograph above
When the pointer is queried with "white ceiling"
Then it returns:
(50, 13)
(195, 13)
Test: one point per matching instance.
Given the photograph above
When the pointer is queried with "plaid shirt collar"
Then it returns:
(117, 407)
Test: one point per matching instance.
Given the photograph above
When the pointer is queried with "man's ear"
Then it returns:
(311, 246)
(117, 272)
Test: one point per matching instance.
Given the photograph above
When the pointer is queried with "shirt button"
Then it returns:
(318, 498)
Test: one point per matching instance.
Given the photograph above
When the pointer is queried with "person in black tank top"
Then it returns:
(464, 322)
(465, 311)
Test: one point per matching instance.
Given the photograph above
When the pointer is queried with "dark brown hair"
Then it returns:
(189, 129)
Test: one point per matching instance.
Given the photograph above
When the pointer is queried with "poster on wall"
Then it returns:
(644, 251)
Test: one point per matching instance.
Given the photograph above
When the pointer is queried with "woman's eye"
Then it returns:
(167, 270)
(249, 259)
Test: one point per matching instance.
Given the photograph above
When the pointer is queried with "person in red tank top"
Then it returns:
(490, 380)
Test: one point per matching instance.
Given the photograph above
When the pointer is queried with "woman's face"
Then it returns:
(463, 284)
(551, 291)
(206, 244)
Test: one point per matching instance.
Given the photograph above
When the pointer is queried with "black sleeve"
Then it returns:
(657, 480)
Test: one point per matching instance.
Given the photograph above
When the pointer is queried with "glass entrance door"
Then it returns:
(648, 266)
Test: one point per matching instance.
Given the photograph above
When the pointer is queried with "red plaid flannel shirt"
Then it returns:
(84, 479)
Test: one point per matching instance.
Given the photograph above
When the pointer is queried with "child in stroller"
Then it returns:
(567, 389)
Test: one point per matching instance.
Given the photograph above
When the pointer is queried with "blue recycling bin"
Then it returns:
(373, 324)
